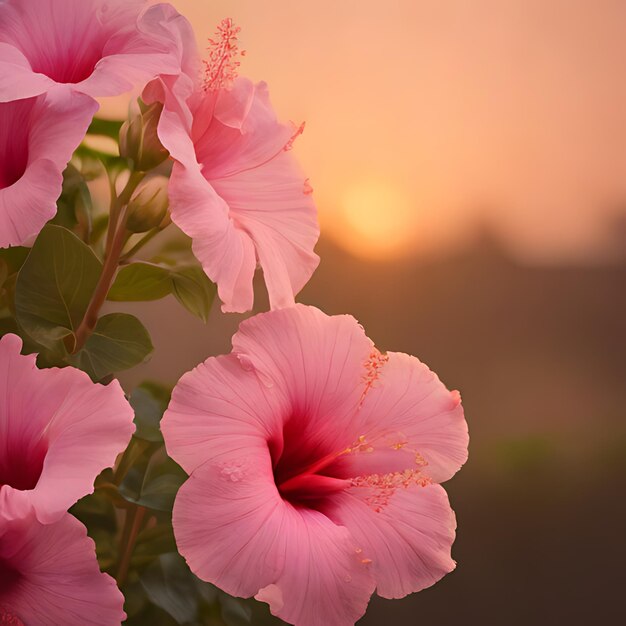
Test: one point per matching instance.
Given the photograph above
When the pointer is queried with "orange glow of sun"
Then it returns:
(374, 219)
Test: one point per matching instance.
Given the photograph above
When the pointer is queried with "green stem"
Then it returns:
(117, 226)
(151, 234)
(132, 526)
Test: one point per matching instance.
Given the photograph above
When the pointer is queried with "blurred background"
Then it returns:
(469, 164)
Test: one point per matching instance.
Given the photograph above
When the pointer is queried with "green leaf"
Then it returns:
(55, 285)
(140, 282)
(153, 541)
(107, 128)
(75, 205)
(119, 341)
(14, 258)
(8, 325)
(11, 260)
(149, 402)
(194, 290)
(154, 486)
(168, 583)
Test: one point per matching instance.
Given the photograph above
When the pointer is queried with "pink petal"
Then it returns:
(408, 540)
(235, 106)
(17, 79)
(319, 361)
(60, 426)
(271, 204)
(101, 48)
(59, 124)
(176, 119)
(243, 157)
(408, 411)
(37, 139)
(236, 532)
(325, 582)
(29, 203)
(158, 44)
(53, 575)
(244, 133)
(218, 408)
(226, 252)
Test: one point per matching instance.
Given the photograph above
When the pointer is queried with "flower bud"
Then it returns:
(139, 140)
(147, 208)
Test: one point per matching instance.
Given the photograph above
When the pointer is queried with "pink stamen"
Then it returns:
(299, 130)
(384, 486)
(373, 368)
(222, 65)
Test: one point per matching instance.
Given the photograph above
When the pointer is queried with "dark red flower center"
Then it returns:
(21, 463)
(69, 56)
(69, 66)
(309, 467)
(9, 579)
(14, 139)
(303, 469)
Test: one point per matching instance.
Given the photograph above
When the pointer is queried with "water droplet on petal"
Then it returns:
(234, 471)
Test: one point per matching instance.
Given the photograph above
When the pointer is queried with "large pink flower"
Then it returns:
(37, 138)
(98, 47)
(235, 189)
(49, 576)
(314, 465)
(58, 431)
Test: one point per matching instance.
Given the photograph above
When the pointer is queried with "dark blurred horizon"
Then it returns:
(538, 355)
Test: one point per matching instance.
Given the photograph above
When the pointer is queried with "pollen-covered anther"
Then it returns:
(420, 460)
(297, 132)
(221, 66)
(366, 561)
(373, 367)
(360, 445)
(385, 485)
(399, 445)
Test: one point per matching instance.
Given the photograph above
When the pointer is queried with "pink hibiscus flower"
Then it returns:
(37, 138)
(99, 47)
(49, 576)
(235, 189)
(58, 431)
(314, 465)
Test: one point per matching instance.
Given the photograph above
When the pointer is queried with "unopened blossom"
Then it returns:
(37, 138)
(235, 189)
(49, 576)
(58, 431)
(315, 463)
(96, 47)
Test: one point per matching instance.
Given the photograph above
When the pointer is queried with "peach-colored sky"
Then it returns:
(424, 118)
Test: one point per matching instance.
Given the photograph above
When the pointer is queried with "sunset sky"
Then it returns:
(427, 119)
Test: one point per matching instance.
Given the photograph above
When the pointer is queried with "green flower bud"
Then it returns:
(148, 206)
(139, 141)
